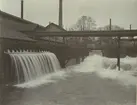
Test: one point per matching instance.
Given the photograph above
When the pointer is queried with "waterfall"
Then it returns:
(31, 65)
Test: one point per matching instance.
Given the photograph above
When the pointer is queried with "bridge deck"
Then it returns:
(120, 33)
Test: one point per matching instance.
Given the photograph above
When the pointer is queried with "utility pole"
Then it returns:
(132, 38)
(118, 54)
(22, 9)
(110, 24)
(130, 27)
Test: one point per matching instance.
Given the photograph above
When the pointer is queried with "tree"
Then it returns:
(85, 23)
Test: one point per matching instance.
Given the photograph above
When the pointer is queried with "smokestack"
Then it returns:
(22, 8)
(61, 13)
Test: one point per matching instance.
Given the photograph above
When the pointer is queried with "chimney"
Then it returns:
(61, 13)
(22, 9)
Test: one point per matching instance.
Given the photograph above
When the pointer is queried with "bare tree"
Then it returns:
(85, 23)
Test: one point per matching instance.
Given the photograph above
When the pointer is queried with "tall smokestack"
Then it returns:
(22, 8)
(61, 13)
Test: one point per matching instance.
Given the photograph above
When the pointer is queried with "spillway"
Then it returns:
(96, 81)
(31, 65)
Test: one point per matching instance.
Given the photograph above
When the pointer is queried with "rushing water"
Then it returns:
(102, 66)
(96, 81)
(33, 65)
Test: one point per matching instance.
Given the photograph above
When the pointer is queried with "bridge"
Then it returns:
(117, 34)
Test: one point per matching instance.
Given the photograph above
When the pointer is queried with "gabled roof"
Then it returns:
(54, 28)
(17, 20)
(17, 26)
(11, 27)
(22, 24)
(6, 33)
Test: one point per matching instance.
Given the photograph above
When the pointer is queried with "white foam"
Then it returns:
(92, 64)
(49, 78)
(96, 64)
(122, 76)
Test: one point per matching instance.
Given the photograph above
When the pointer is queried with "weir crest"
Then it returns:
(31, 65)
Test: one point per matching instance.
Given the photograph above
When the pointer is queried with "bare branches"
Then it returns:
(85, 23)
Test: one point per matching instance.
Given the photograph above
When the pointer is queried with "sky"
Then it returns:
(122, 12)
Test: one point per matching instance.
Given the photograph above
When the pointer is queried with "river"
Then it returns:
(96, 81)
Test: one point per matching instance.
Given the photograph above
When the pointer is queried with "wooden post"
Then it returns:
(130, 27)
(110, 25)
(64, 40)
(83, 58)
(118, 53)
(2, 72)
(132, 36)
(78, 60)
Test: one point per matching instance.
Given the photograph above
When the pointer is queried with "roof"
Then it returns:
(18, 22)
(54, 28)
(18, 19)
(11, 27)
(17, 26)
(12, 34)
(14, 27)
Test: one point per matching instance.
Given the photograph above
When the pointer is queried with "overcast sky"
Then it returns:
(122, 12)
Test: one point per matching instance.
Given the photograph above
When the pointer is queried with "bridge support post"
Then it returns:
(118, 54)
(64, 41)
(83, 58)
(1, 64)
(78, 60)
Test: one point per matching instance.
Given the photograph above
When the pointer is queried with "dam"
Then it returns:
(30, 65)
(45, 65)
